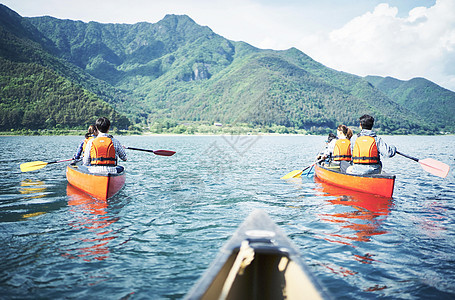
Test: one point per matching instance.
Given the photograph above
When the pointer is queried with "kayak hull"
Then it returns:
(258, 262)
(100, 186)
(376, 184)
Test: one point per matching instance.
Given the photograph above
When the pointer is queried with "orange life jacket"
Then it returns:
(342, 150)
(85, 143)
(102, 152)
(365, 151)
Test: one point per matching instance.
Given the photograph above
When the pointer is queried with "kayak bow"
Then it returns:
(258, 262)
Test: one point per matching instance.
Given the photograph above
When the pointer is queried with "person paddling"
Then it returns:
(90, 134)
(366, 148)
(329, 145)
(102, 152)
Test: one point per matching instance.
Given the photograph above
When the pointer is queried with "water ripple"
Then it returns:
(159, 234)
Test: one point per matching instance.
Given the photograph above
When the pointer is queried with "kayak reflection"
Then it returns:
(360, 215)
(90, 216)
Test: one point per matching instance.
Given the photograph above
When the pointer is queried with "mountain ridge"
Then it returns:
(178, 70)
(417, 94)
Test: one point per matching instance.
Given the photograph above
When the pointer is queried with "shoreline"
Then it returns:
(4, 134)
(175, 134)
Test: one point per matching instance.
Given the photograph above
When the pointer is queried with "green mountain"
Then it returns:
(435, 104)
(178, 70)
(38, 90)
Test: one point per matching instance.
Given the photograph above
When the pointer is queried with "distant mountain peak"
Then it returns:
(175, 17)
(179, 70)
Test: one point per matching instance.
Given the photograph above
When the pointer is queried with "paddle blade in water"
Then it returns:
(32, 166)
(435, 167)
(293, 174)
(164, 152)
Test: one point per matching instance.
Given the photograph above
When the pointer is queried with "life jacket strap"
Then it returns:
(103, 159)
(94, 160)
(375, 160)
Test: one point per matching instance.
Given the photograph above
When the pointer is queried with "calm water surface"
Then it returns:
(158, 235)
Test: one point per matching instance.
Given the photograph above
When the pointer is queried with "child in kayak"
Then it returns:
(329, 144)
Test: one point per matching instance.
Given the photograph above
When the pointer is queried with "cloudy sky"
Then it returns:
(399, 38)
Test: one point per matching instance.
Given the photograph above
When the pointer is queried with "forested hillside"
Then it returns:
(431, 102)
(180, 72)
(37, 90)
(35, 97)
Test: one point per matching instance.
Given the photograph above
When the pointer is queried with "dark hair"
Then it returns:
(103, 124)
(367, 122)
(331, 137)
(91, 131)
(346, 131)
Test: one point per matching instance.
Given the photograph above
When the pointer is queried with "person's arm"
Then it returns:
(328, 150)
(119, 149)
(78, 154)
(353, 139)
(86, 158)
(385, 149)
(330, 147)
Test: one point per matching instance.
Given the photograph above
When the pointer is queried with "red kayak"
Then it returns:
(100, 186)
(377, 184)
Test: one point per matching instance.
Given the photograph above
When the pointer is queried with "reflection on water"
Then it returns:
(357, 218)
(28, 198)
(90, 217)
(360, 213)
(432, 220)
(32, 188)
(160, 233)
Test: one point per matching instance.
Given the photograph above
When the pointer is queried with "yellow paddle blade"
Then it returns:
(293, 174)
(32, 166)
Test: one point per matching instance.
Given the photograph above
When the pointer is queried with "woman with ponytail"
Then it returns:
(91, 133)
(341, 154)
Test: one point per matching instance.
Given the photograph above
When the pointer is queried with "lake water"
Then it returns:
(156, 237)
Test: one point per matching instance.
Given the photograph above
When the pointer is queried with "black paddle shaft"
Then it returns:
(410, 157)
(145, 150)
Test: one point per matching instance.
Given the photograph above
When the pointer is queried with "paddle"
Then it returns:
(297, 173)
(36, 165)
(430, 165)
(157, 152)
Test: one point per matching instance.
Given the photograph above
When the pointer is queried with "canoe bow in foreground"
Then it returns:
(377, 184)
(100, 186)
(258, 262)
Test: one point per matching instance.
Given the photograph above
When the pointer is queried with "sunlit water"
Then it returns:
(158, 235)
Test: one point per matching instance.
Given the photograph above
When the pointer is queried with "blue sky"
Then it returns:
(399, 38)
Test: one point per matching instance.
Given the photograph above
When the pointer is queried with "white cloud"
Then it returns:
(421, 44)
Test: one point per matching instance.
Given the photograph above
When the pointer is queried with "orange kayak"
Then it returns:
(377, 184)
(100, 186)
